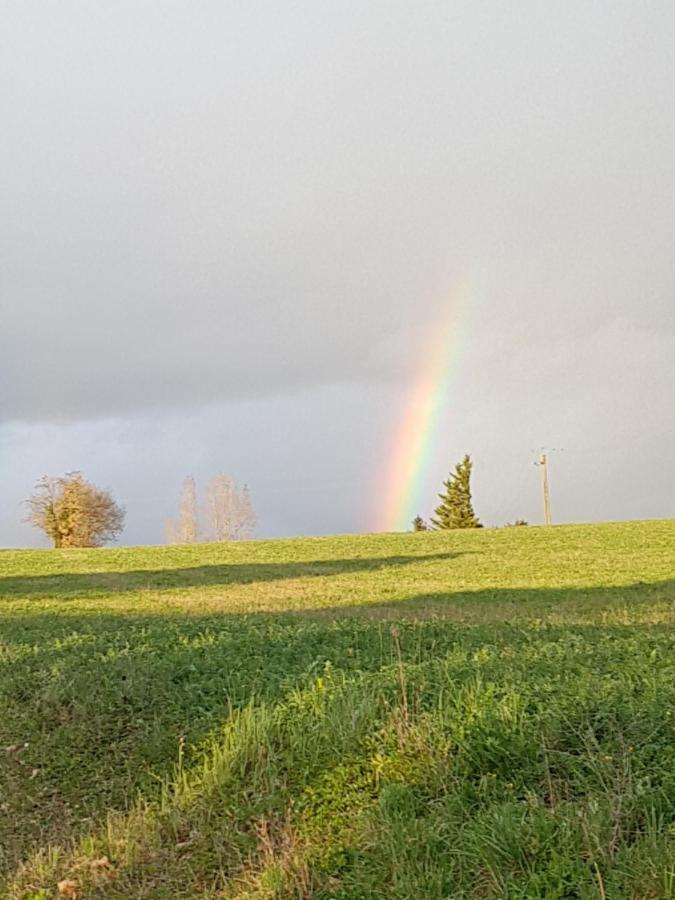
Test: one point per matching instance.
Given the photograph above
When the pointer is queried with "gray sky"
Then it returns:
(229, 230)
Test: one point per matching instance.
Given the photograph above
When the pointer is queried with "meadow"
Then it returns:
(480, 714)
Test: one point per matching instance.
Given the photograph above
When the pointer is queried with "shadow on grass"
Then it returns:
(61, 585)
(103, 702)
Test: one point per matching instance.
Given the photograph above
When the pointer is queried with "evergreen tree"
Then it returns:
(419, 524)
(455, 509)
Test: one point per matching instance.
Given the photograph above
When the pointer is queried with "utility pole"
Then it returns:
(543, 462)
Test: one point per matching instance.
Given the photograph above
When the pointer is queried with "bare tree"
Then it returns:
(72, 512)
(219, 503)
(172, 531)
(188, 512)
(245, 518)
(229, 511)
(185, 529)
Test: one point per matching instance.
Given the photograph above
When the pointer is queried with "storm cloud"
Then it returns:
(245, 215)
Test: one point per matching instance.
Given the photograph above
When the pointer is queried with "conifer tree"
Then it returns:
(419, 524)
(455, 509)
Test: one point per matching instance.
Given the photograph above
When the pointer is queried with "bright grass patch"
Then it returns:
(479, 714)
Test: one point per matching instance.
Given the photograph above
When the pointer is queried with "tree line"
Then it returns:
(72, 512)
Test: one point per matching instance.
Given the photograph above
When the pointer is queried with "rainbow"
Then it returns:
(425, 412)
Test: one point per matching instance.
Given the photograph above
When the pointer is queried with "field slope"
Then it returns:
(467, 715)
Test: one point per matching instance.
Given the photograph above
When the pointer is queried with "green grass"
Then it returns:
(470, 714)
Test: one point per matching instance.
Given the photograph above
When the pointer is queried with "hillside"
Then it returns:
(469, 714)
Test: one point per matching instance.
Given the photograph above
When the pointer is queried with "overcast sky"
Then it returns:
(230, 229)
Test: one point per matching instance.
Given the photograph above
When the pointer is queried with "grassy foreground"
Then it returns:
(462, 715)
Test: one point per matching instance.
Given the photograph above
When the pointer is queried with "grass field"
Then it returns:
(460, 715)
